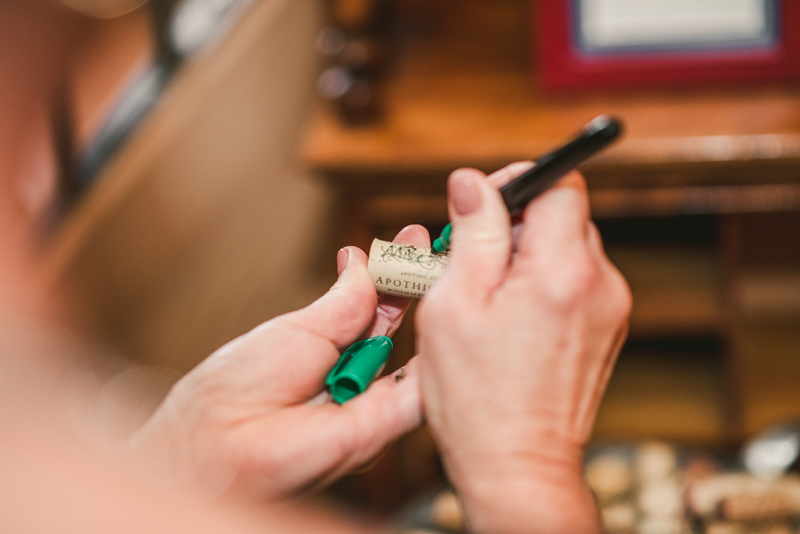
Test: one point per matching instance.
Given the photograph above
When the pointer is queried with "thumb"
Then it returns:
(481, 241)
(343, 313)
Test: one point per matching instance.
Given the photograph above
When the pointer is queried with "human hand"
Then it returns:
(256, 410)
(516, 347)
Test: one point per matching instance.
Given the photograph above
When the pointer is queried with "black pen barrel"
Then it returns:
(595, 136)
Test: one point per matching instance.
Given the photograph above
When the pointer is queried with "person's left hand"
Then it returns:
(256, 411)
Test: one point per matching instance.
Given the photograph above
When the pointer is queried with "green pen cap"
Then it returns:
(442, 243)
(360, 364)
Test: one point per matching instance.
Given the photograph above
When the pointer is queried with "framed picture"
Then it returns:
(619, 43)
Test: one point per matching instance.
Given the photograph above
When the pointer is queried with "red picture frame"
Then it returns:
(563, 65)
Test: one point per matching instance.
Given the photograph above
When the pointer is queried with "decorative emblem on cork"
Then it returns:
(404, 270)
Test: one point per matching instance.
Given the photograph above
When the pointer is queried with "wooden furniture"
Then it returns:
(698, 166)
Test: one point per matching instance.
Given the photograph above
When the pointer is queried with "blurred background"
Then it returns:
(218, 152)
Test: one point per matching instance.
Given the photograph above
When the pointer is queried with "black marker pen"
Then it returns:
(362, 362)
(594, 137)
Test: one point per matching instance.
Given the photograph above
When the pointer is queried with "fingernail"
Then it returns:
(515, 169)
(342, 259)
(465, 192)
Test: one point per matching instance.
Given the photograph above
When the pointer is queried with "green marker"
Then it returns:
(442, 243)
(360, 364)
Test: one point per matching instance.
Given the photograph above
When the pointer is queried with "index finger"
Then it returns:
(557, 219)
(500, 178)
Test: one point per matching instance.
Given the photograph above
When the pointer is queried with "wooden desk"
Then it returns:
(461, 94)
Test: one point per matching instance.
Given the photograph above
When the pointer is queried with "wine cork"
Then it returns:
(404, 270)
(758, 507)
(609, 476)
(446, 512)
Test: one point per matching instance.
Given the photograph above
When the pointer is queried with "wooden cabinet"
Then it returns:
(684, 203)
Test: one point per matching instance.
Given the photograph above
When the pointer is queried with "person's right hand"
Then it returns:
(516, 348)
